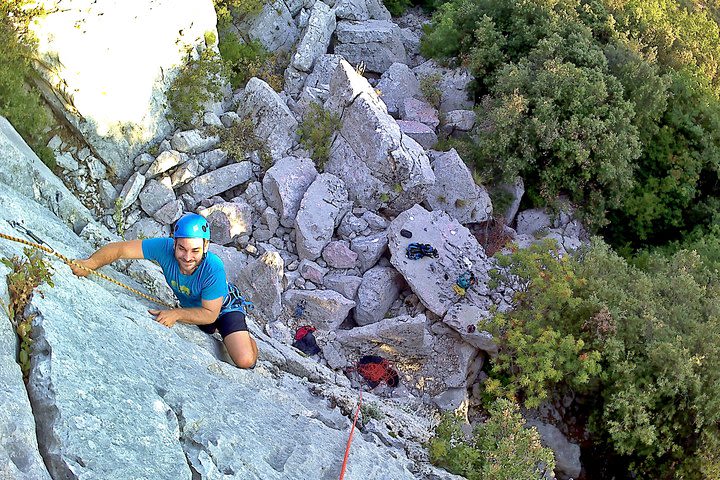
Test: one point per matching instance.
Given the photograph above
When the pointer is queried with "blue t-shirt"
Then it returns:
(207, 282)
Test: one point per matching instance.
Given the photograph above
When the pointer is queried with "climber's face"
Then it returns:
(189, 254)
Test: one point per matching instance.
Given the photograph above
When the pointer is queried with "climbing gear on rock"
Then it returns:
(375, 369)
(299, 309)
(41, 245)
(465, 280)
(305, 340)
(350, 436)
(416, 251)
(192, 225)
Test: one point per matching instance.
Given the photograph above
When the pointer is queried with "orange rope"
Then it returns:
(352, 429)
(70, 261)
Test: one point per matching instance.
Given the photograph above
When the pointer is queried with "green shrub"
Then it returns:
(224, 9)
(26, 275)
(539, 345)
(397, 7)
(240, 140)
(640, 342)
(317, 131)
(199, 81)
(500, 449)
(430, 88)
(20, 101)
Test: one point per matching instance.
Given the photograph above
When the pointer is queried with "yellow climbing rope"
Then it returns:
(70, 261)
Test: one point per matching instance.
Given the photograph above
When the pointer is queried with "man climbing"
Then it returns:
(196, 276)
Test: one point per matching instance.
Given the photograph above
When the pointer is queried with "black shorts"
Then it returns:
(227, 323)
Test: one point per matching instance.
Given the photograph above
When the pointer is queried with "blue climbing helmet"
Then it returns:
(192, 225)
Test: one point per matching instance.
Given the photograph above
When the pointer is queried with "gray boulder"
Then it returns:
(346, 285)
(567, 454)
(194, 141)
(324, 309)
(455, 191)
(421, 133)
(361, 10)
(337, 254)
(452, 83)
(155, 194)
(457, 122)
(515, 190)
(376, 43)
(284, 185)
(322, 207)
(233, 260)
(261, 281)
(406, 336)
(229, 220)
(369, 249)
(274, 27)
(381, 167)
(316, 39)
(396, 84)
(380, 287)
(219, 181)
(467, 320)
(146, 228)
(165, 161)
(274, 124)
(412, 109)
(432, 279)
(317, 84)
(170, 212)
(131, 190)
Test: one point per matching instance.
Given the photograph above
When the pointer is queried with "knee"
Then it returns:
(245, 359)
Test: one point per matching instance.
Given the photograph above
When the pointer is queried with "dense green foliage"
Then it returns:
(20, 102)
(612, 103)
(199, 81)
(502, 448)
(642, 342)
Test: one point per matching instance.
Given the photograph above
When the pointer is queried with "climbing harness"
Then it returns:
(236, 301)
(416, 251)
(41, 245)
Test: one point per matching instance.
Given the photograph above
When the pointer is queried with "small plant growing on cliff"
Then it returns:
(118, 217)
(500, 449)
(430, 88)
(240, 139)
(27, 273)
(317, 131)
(200, 81)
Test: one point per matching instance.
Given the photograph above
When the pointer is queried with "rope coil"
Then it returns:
(70, 261)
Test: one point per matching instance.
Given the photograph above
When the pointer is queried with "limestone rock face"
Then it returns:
(130, 398)
(383, 169)
(430, 278)
(261, 282)
(19, 454)
(109, 94)
(274, 27)
(23, 171)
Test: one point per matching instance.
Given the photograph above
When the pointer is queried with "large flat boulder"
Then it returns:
(458, 252)
(95, 78)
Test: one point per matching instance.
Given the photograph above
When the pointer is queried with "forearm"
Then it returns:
(105, 255)
(195, 316)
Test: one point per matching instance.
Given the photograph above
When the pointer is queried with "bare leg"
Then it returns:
(242, 349)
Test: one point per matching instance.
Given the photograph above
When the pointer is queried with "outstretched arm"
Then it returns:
(108, 254)
(204, 315)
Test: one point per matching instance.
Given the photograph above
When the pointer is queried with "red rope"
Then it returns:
(352, 429)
